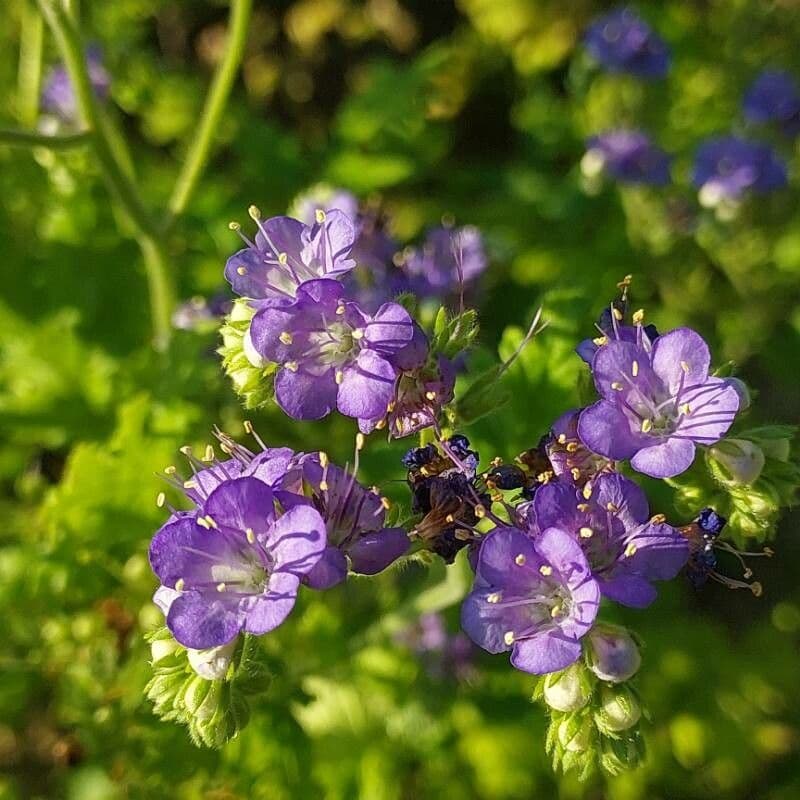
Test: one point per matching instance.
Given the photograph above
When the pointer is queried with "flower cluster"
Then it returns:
(552, 537)
(726, 167)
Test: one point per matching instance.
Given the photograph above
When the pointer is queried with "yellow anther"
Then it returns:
(250, 534)
(323, 485)
(494, 597)
(221, 587)
(587, 491)
(380, 424)
(583, 507)
(283, 258)
(685, 409)
(462, 535)
(572, 447)
(340, 309)
(635, 368)
(386, 503)
(520, 560)
(339, 376)
(617, 314)
(161, 498)
(241, 270)
(757, 589)
(617, 386)
(358, 333)
(286, 337)
(186, 450)
(612, 507)
(390, 406)
(638, 317)
(211, 522)
(291, 366)
(562, 438)
(545, 570)
(555, 610)
(449, 518)
(179, 584)
(323, 459)
(480, 511)
(209, 454)
(576, 473)
(319, 215)
(600, 340)
(684, 366)
(248, 426)
(508, 638)
(657, 519)
(201, 521)
(630, 550)
(586, 533)
(234, 226)
(170, 470)
(254, 212)
(359, 441)
(430, 395)
(647, 425)
(190, 484)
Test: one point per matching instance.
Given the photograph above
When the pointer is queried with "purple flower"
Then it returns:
(774, 97)
(287, 252)
(355, 522)
(569, 458)
(237, 563)
(627, 156)
(322, 197)
(622, 42)
(331, 354)
(58, 96)
(610, 519)
(449, 257)
(657, 403)
(726, 167)
(535, 597)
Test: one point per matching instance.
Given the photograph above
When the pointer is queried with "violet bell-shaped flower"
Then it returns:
(658, 403)
(535, 597)
(331, 354)
(287, 252)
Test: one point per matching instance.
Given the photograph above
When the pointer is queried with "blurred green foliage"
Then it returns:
(476, 109)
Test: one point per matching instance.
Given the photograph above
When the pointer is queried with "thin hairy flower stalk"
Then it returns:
(32, 139)
(200, 148)
(160, 283)
(29, 77)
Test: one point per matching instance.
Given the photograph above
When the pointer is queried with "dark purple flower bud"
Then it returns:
(774, 97)
(449, 258)
(612, 325)
(627, 156)
(727, 167)
(331, 354)
(622, 42)
(505, 477)
(535, 597)
(710, 522)
(58, 96)
(658, 403)
(420, 456)
(237, 563)
(286, 253)
(609, 518)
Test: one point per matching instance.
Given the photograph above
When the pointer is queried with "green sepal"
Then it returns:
(453, 334)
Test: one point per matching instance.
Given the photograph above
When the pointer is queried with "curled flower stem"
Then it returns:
(14, 138)
(160, 282)
(200, 148)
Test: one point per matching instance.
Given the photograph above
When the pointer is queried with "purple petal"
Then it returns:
(266, 328)
(661, 552)
(629, 590)
(329, 571)
(555, 505)
(373, 552)
(297, 540)
(671, 457)
(604, 429)
(367, 386)
(390, 329)
(712, 409)
(614, 365)
(681, 356)
(241, 504)
(303, 395)
(545, 652)
(623, 494)
(199, 623)
(413, 354)
(497, 561)
(486, 623)
(266, 612)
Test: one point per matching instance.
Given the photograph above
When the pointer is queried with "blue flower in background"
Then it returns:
(727, 167)
(622, 42)
(628, 157)
(58, 96)
(774, 97)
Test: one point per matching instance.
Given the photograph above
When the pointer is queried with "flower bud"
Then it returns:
(619, 710)
(195, 694)
(568, 690)
(162, 648)
(613, 655)
(575, 734)
(213, 663)
(735, 462)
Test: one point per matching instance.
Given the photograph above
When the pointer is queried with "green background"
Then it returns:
(476, 109)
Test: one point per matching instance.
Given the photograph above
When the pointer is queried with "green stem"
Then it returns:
(200, 148)
(29, 78)
(160, 282)
(33, 139)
